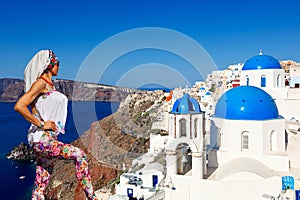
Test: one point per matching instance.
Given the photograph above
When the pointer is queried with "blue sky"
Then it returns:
(229, 32)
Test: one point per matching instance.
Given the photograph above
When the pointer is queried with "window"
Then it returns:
(195, 127)
(263, 81)
(245, 141)
(247, 80)
(278, 81)
(273, 141)
(182, 127)
(191, 106)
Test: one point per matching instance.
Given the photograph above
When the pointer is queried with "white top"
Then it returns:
(50, 106)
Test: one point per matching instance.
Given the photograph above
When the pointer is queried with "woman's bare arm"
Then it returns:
(22, 104)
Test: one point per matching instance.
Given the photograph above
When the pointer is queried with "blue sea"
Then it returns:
(13, 131)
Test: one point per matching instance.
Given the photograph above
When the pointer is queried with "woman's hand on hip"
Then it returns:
(50, 125)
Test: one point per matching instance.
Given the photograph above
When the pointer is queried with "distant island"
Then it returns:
(11, 89)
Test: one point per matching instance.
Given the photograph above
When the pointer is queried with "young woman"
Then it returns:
(47, 117)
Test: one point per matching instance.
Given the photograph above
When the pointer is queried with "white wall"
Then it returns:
(294, 80)
(194, 189)
(138, 191)
(259, 142)
(174, 125)
(277, 93)
(147, 178)
(255, 77)
(288, 108)
(295, 70)
(157, 142)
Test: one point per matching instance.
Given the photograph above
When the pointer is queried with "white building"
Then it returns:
(265, 72)
(295, 76)
(142, 184)
(251, 152)
(185, 147)
(247, 156)
(247, 124)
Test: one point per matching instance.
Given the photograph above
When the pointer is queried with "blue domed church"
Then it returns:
(265, 72)
(185, 152)
(250, 148)
(246, 124)
(262, 71)
(247, 150)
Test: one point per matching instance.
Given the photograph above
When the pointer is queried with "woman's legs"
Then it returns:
(51, 148)
(44, 168)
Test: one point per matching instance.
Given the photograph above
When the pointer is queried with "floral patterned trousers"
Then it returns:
(49, 148)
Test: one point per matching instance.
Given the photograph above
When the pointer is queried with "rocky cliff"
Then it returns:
(111, 144)
(12, 89)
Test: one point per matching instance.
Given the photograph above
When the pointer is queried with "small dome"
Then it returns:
(202, 89)
(246, 103)
(186, 105)
(261, 62)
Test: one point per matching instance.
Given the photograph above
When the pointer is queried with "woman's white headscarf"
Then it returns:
(36, 67)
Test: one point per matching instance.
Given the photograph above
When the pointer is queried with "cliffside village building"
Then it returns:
(238, 141)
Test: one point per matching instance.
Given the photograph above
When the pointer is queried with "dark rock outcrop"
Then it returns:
(22, 152)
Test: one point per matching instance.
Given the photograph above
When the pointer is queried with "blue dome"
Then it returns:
(246, 103)
(186, 105)
(261, 62)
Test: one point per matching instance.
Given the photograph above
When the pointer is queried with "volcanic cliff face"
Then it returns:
(81, 91)
(111, 144)
(12, 89)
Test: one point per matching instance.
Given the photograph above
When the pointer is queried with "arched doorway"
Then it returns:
(184, 158)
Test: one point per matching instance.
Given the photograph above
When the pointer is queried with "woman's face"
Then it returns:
(55, 69)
